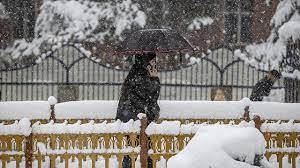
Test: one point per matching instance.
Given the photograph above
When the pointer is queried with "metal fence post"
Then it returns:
(52, 112)
(257, 121)
(143, 142)
(52, 101)
(246, 116)
(28, 151)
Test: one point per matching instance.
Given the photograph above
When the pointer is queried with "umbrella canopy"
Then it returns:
(154, 40)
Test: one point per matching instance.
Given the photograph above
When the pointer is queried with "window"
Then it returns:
(238, 21)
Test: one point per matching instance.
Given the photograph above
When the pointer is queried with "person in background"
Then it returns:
(219, 95)
(263, 87)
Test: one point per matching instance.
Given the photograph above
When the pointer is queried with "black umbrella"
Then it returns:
(154, 40)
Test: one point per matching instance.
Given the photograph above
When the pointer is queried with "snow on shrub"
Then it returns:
(14, 110)
(18, 128)
(91, 127)
(220, 146)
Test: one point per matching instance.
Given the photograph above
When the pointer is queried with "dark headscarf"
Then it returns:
(142, 60)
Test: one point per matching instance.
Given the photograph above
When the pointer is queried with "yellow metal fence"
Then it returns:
(108, 149)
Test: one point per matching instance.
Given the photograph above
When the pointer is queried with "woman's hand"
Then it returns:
(152, 71)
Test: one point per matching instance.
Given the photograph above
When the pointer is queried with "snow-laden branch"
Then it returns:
(198, 22)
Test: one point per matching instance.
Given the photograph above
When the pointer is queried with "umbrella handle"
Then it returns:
(180, 54)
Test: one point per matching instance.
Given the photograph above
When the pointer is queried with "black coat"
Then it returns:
(139, 94)
(261, 89)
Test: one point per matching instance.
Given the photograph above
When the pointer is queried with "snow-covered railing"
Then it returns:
(106, 143)
(102, 143)
(184, 111)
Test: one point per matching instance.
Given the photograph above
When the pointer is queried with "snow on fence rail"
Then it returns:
(105, 144)
(185, 111)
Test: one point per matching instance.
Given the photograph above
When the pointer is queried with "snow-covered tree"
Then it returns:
(75, 21)
(3, 13)
(271, 54)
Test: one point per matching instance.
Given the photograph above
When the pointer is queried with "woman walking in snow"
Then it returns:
(139, 94)
(140, 91)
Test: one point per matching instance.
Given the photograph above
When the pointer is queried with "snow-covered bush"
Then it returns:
(271, 54)
(3, 13)
(221, 146)
(78, 20)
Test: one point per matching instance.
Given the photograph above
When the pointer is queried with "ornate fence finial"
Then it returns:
(52, 101)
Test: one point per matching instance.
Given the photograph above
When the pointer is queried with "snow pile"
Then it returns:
(220, 147)
(271, 54)
(18, 128)
(78, 20)
(197, 23)
(281, 127)
(14, 110)
(92, 109)
(91, 127)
